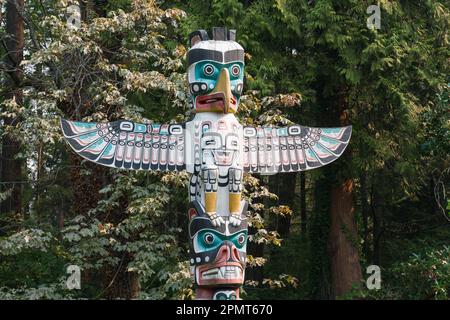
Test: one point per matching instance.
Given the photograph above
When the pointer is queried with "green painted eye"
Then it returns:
(239, 240)
(208, 238)
(235, 70)
(208, 69)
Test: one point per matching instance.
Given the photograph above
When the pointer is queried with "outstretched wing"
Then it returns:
(128, 145)
(269, 150)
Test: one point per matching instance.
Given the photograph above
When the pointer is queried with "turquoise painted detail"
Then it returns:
(310, 153)
(156, 126)
(108, 149)
(140, 128)
(211, 79)
(331, 130)
(322, 149)
(217, 67)
(97, 143)
(88, 125)
(88, 135)
(260, 133)
(282, 132)
(164, 131)
(267, 131)
(329, 140)
(210, 239)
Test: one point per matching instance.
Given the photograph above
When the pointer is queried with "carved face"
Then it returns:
(220, 143)
(217, 254)
(219, 148)
(216, 72)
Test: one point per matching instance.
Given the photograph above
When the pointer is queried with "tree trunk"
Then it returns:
(343, 238)
(303, 213)
(119, 282)
(318, 230)
(343, 244)
(364, 212)
(11, 168)
(377, 228)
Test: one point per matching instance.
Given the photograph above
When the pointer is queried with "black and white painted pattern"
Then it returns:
(268, 150)
(128, 145)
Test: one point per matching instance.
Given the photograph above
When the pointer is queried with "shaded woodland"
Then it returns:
(385, 202)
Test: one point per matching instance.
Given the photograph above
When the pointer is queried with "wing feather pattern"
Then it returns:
(270, 150)
(128, 145)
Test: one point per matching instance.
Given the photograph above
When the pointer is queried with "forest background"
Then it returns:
(385, 202)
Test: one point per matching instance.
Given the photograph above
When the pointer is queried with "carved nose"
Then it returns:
(235, 254)
(223, 85)
(228, 252)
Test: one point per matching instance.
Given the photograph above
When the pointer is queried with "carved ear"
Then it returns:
(197, 36)
(220, 33)
(196, 209)
(192, 213)
(232, 35)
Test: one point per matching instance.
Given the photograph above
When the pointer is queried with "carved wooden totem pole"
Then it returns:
(216, 150)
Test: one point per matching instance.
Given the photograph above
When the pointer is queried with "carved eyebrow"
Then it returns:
(196, 55)
(234, 55)
(201, 223)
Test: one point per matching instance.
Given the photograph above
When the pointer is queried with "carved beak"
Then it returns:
(223, 86)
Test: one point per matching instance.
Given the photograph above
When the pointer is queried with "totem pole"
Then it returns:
(216, 150)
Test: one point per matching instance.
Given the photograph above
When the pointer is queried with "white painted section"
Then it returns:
(222, 192)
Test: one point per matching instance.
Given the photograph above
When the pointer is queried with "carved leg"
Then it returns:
(235, 189)
(210, 180)
(193, 185)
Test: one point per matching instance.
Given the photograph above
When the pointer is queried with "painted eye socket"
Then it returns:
(235, 70)
(221, 296)
(208, 238)
(241, 239)
(208, 69)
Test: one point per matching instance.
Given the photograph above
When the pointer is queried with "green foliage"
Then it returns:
(305, 61)
(426, 275)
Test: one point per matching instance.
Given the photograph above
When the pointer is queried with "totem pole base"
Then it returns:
(217, 254)
(217, 294)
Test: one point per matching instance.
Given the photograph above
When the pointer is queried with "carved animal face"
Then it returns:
(217, 254)
(221, 147)
(220, 143)
(215, 72)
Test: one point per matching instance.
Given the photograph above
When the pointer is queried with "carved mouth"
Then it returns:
(229, 273)
(214, 102)
(211, 100)
(225, 272)
(223, 157)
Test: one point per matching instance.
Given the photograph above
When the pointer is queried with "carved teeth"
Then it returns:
(210, 271)
(225, 272)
